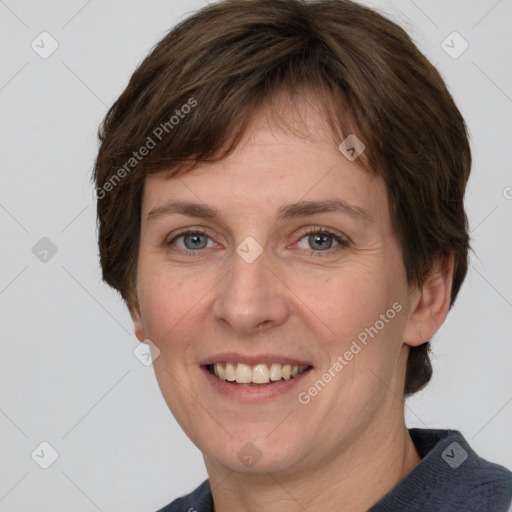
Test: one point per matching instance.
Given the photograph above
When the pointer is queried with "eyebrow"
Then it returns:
(286, 212)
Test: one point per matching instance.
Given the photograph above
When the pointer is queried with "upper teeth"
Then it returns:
(258, 374)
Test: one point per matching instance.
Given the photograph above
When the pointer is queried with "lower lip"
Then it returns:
(250, 392)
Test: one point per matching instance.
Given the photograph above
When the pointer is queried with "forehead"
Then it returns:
(287, 155)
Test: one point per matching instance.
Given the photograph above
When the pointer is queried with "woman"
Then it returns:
(280, 203)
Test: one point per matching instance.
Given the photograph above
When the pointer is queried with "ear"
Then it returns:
(138, 324)
(430, 303)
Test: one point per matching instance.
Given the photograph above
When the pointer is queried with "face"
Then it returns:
(286, 265)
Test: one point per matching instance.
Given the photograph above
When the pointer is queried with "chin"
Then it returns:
(257, 452)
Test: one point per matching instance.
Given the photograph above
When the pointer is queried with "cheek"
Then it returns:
(365, 318)
(169, 306)
(170, 310)
(361, 315)
(345, 304)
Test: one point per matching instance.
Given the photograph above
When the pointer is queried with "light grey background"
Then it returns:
(68, 374)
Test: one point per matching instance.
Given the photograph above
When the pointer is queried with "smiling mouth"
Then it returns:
(259, 374)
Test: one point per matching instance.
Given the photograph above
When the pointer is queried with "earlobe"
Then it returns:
(138, 324)
(431, 302)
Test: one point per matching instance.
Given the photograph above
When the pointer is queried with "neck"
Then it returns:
(351, 481)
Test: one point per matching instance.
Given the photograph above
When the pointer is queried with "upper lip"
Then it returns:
(252, 359)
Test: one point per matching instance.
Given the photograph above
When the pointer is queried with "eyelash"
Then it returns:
(343, 243)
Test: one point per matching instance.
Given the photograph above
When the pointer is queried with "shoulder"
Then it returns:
(199, 500)
(465, 480)
(478, 484)
(450, 477)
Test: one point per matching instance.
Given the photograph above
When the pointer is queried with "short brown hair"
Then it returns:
(233, 57)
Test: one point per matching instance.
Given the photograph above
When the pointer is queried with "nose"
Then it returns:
(251, 296)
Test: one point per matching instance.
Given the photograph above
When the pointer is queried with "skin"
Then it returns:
(349, 445)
